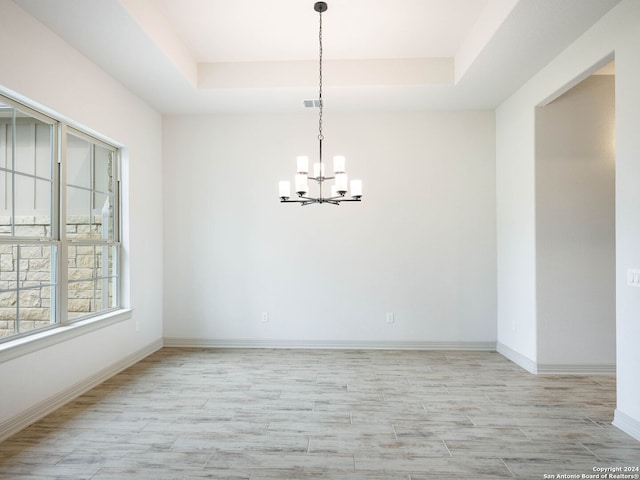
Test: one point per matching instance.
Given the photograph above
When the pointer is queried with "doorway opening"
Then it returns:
(575, 228)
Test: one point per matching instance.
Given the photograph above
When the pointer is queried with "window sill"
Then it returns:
(38, 341)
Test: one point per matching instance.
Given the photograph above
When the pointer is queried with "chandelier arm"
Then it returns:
(321, 179)
(332, 200)
(305, 199)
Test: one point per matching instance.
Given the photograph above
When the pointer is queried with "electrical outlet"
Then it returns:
(265, 317)
(137, 326)
(390, 317)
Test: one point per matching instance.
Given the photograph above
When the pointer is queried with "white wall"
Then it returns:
(515, 219)
(421, 244)
(575, 226)
(619, 32)
(38, 65)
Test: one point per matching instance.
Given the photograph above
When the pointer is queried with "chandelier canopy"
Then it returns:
(339, 189)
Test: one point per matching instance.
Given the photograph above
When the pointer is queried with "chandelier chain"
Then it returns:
(320, 136)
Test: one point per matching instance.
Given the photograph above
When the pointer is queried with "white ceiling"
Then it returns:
(206, 56)
(253, 31)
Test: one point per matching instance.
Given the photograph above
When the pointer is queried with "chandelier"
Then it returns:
(338, 191)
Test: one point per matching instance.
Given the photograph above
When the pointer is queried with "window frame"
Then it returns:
(55, 172)
(58, 240)
(66, 130)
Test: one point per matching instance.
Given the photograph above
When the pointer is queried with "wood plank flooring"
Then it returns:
(325, 414)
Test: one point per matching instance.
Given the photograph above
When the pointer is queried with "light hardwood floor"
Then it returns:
(325, 414)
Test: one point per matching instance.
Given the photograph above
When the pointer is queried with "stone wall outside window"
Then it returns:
(35, 269)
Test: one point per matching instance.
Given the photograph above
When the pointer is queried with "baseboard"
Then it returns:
(338, 345)
(36, 412)
(517, 358)
(628, 425)
(552, 369)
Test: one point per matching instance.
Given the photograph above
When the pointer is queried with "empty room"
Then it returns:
(353, 239)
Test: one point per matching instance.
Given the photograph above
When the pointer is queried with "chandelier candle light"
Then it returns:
(339, 188)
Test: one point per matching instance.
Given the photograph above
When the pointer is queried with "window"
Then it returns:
(91, 229)
(59, 223)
